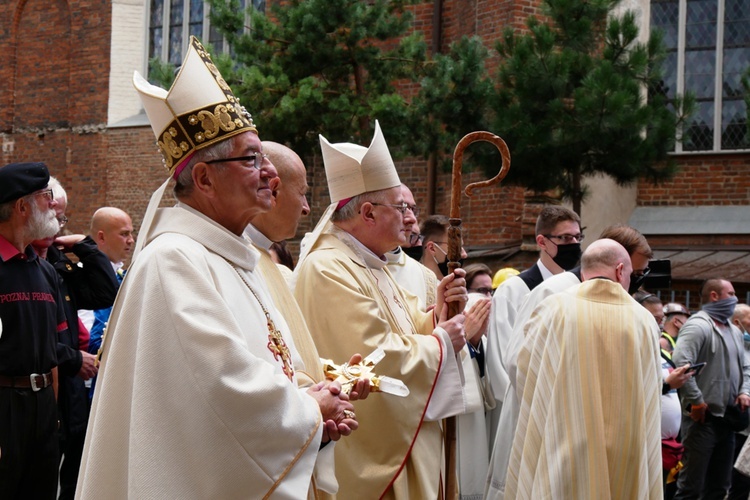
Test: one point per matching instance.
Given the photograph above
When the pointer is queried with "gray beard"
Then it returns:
(43, 224)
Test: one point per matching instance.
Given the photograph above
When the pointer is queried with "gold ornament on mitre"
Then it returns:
(199, 109)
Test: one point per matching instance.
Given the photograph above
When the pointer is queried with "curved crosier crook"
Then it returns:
(454, 254)
(454, 230)
(458, 158)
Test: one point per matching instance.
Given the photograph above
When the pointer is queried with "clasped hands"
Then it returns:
(335, 405)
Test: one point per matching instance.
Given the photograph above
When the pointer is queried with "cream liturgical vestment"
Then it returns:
(413, 276)
(352, 304)
(506, 428)
(505, 302)
(196, 398)
(310, 371)
(589, 384)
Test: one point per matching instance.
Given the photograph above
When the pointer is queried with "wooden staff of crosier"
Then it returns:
(454, 254)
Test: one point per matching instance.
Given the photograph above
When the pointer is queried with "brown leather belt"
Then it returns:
(35, 381)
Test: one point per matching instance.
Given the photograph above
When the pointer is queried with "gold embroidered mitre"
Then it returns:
(199, 109)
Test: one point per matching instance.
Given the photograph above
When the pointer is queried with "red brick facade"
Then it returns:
(54, 61)
(53, 100)
(703, 180)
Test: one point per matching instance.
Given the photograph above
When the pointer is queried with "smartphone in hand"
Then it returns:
(696, 368)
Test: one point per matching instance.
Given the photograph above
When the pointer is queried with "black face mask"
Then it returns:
(567, 256)
(443, 266)
(414, 252)
(636, 280)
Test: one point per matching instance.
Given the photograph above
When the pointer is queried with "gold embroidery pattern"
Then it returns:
(276, 343)
(173, 145)
(199, 128)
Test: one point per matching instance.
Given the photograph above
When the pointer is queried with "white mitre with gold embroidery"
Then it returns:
(199, 110)
(352, 170)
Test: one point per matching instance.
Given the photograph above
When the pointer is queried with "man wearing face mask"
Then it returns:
(740, 482)
(640, 252)
(435, 245)
(675, 315)
(558, 236)
(714, 400)
(404, 262)
(589, 411)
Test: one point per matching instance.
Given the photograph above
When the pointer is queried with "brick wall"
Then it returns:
(54, 60)
(702, 180)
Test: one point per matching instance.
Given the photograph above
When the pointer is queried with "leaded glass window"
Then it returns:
(171, 22)
(708, 51)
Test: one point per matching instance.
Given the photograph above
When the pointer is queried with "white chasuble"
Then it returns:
(197, 396)
(589, 388)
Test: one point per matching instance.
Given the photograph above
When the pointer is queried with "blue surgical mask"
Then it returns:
(745, 336)
(721, 310)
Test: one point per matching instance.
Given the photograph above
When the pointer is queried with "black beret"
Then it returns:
(19, 179)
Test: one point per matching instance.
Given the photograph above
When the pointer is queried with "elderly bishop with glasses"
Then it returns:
(197, 395)
(353, 304)
(404, 261)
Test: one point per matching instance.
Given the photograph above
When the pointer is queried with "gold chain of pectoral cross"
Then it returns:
(276, 343)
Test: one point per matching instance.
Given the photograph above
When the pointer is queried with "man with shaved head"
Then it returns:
(640, 252)
(290, 193)
(112, 230)
(278, 224)
(589, 383)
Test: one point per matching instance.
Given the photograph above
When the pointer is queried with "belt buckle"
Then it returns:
(33, 379)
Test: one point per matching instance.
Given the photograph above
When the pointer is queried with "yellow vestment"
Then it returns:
(589, 385)
(352, 304)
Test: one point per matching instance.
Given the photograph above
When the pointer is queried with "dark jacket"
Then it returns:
(92, 285)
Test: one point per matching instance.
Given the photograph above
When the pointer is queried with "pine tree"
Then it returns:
(452, 101)
(326, 67)
(571, 100)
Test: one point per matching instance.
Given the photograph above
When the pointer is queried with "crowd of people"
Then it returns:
(214, 367)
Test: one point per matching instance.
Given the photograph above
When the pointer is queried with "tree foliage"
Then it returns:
(322, 67)
(571, 100)
(452, 100)
(573, 96)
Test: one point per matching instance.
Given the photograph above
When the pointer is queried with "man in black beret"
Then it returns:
(31, 317)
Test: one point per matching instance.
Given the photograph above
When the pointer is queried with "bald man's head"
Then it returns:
(290, 192)
(112, 230)
(606, 258)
